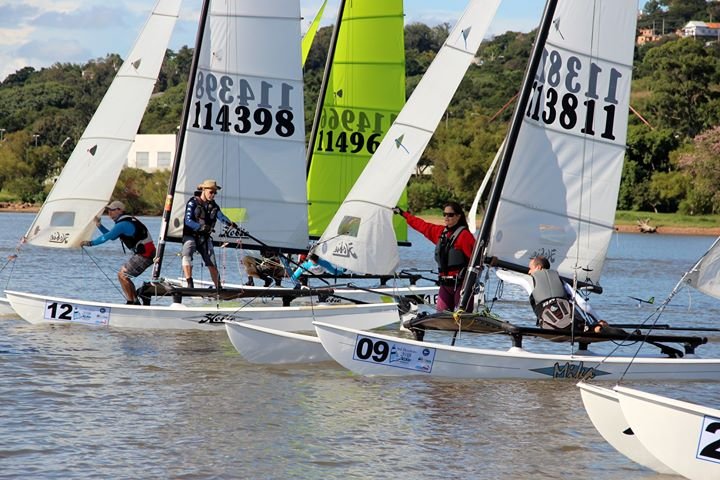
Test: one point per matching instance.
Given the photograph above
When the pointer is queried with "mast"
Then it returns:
(323, 86)
(478, 254)
(172, 184)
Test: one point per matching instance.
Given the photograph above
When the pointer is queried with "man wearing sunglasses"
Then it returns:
(453, 249)
(201, 214)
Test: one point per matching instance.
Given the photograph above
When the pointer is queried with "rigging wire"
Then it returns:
(84, 253)
(10, 260)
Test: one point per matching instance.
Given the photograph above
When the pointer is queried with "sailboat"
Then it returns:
(363, 88)
(81, 192)
(668, 436)
(83, 189)
(362, 91)
(682, 435)
(379, 187)
(554, 194)
(657, 432)
(243, 121)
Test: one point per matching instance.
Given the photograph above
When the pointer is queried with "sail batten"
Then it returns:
(87, 180)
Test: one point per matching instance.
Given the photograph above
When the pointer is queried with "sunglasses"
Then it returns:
(449, 214)
(213, 192)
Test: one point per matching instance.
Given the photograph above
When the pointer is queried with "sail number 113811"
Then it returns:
(572, 93)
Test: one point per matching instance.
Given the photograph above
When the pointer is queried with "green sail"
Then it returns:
(365, 92)
(310, 35)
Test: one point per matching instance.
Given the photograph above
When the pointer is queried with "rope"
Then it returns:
(11, 259)
(85, 252)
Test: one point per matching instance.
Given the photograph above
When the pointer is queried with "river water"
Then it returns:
(82, 402)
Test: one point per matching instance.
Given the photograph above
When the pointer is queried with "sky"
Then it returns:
(39, 33)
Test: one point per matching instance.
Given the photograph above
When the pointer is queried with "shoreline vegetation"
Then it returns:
(626, 222)
(624, 225)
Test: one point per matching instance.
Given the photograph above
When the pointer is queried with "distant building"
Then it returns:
(647, 35)
(697, 29)
(152, 152)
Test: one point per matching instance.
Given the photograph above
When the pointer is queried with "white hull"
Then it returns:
(39, 309)
(368, 353)
(5, 307)
(603, 408)
(258, 344)
(262, 345)
(682, 435)
(427, 293)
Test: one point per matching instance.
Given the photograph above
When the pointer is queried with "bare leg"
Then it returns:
(127, 285)
(215, 276)
(251, 269)
(187, 270)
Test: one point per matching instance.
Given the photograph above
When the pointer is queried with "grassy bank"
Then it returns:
(668, 219)
(627, 221)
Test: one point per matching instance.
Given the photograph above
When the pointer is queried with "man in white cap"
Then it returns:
(201, 214)
(136, 237)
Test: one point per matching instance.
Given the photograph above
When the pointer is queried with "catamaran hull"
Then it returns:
(374, 354)
(682, 435)
(258, 344)
(603, 407)
(267, 346)
(39, 309)
(5, 307)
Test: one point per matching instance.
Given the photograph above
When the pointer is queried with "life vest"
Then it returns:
(446, 255)
(140, 242)
(551, 302)
(547, 285)
(203, 213)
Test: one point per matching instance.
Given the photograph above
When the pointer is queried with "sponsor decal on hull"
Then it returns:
(571, 370)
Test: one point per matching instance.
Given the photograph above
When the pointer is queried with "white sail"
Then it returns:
(705, 276)
(484, 188)
(360, 236)
(561, 189)
(87, 181)
(245, 127)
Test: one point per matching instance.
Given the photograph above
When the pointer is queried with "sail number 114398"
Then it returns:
(243, 106)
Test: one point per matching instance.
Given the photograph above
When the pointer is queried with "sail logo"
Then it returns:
(576, 371)
(59, 237)
(344, 250)
(217, 318)
(549, 253)
(230, 232)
